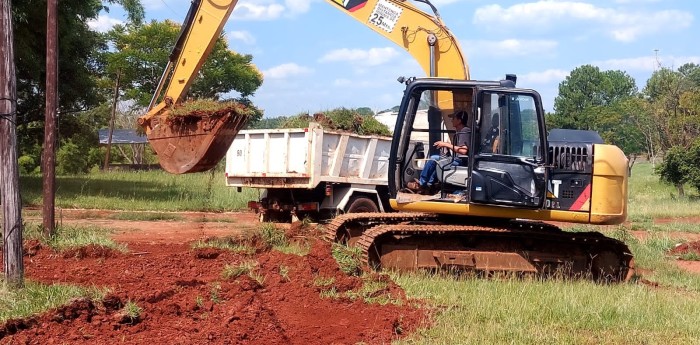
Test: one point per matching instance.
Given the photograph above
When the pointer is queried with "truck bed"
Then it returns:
(305, 157)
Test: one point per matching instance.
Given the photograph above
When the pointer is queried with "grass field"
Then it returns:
(141, 191)
(471, 309)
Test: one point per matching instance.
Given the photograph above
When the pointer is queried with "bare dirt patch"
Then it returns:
(685, 250)
(687, 220)
(192, 226)
(643, 235)
(185, 299)
(682, 248)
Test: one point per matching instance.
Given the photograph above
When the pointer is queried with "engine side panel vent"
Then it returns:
(576, 157)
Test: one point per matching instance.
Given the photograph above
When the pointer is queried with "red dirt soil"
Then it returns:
(687, 248)
(684, 249)
(185, 299)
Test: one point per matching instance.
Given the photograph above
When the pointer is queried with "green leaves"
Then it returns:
(604, 101)
(141, 54)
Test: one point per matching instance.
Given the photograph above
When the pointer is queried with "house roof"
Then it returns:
(122, 136)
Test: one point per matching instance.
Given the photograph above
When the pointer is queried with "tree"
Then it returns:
(585, 92)
(365, 111)
(141, 54)
(604, 101)
(80, 61)
(10, 202)
(673, 97)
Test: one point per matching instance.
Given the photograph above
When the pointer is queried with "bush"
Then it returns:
(70, 159)
(341, 119)
(27, 164)
(681, 166)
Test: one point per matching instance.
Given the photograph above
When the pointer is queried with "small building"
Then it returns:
(131, 145)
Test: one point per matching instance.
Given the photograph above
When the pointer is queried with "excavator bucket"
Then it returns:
(196, 141)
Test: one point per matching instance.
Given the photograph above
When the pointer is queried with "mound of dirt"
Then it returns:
(187, 297)
(687, 248)
(91, 251)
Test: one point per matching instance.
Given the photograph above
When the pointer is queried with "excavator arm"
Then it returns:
(198, 143)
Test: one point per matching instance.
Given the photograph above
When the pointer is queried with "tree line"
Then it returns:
(661, 121)
(129, 58)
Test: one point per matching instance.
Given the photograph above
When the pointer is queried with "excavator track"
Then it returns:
(409, 241)
(347, 228)
(515, 246)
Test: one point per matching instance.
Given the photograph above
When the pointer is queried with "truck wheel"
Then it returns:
(361, 204)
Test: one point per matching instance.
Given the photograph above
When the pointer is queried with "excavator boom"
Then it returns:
(198, 142)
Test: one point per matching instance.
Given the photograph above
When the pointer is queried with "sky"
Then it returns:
(316, 58)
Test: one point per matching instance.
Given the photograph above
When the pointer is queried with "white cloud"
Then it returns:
(543, 77)
(369, 57)
(252, 11)
(625, 2)
(342, 82)
(243, 36)
(297, 6)
(153, 4)
(269, 9)
(622, 25)
(510, 47)
(646, 63)
(285, 71)
(103, 23)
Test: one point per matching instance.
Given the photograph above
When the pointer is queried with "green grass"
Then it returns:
(132, 311)
(513, 311)
(235, 271)
(141, 191)
(35, 298)
(650, 199)
(224, 243)
(468, 309)
(348, 258)
(146, 216)
(72, 236)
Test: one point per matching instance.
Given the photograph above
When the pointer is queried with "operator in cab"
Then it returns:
(462, 138)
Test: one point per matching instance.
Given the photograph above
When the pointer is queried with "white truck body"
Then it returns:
(291, 160)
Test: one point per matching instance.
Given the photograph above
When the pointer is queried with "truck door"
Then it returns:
(508, 161)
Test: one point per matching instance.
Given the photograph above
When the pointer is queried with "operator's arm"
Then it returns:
(459, 149)
(461, 143)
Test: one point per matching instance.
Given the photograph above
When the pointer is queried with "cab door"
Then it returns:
(508, 162)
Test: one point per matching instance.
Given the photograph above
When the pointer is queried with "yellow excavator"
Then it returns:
(491, 207)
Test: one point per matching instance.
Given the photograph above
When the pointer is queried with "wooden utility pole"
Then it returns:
(111, 121)
(9, 172)
(48, 161)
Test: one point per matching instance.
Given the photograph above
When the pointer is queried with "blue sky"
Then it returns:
(314, 57)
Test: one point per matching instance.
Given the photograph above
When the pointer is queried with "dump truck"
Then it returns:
(312, 172)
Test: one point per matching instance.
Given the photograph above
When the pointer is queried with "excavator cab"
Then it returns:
(505, 163)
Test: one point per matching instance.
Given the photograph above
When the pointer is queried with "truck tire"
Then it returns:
(361, 204)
